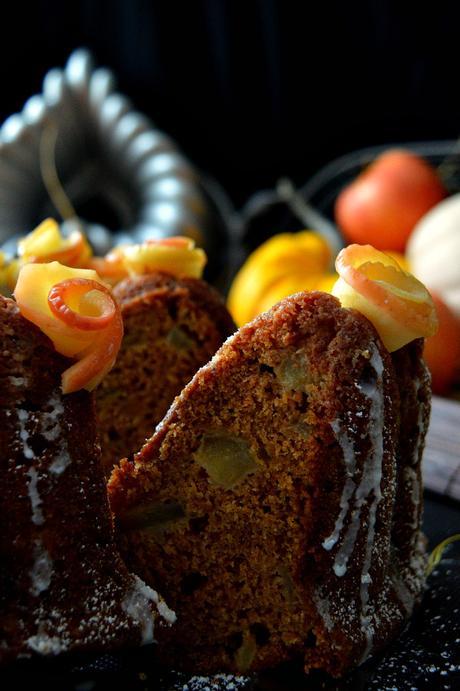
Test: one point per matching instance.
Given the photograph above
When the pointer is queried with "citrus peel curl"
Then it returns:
(399, 306)
(76, 310)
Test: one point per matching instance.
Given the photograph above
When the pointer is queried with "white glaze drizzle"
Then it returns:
(51, 430)
(17, 381)
(368, 488)
(349, 457)
(23, 416)
(42, 569)
(50, 420)
(137, 605)
(46, 645)
(60, 463)
(34, 496)
(371, 484)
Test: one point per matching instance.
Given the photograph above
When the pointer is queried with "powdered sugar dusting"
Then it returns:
(219, 682)
(322, 606)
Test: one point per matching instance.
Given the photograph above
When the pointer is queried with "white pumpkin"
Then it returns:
(434, 251)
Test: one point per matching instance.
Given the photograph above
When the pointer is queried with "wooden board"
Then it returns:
(441, 460)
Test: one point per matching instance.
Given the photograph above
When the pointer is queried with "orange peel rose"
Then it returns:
(176, 255)
(372, 282)
(46, 244)
(77, 311)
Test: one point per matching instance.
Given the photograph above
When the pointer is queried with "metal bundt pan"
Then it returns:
(126, 179)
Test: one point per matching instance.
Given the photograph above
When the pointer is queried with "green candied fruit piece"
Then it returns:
(293, 372)
(246, 653)
(179, 339)
(156, 516)
(226, 459)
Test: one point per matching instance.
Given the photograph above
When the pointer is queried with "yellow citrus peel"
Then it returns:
(76, 310)
(176, 255)
(286, 263)
(372, 282)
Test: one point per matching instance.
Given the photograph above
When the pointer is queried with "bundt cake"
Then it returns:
(172, 327)
(277, 506)
(63, 585)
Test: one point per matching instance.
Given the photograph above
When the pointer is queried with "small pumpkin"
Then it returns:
(434, 251)
(286, 263)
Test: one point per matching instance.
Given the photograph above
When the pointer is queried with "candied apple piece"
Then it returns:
(156, 516)
(246, 652)
(226, 459)
(293, 372)
(179, 339)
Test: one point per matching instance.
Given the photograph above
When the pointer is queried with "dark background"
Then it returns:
(255, 89)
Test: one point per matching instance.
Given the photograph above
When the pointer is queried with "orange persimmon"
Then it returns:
(383, 204)
(442, 350)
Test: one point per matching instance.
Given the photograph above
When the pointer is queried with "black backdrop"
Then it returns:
(255, 89)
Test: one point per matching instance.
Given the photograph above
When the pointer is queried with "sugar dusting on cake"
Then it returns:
(218, 682)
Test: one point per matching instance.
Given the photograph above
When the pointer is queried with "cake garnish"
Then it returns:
(397, 304)
(177, 256)
(76, 310)
(47, 243)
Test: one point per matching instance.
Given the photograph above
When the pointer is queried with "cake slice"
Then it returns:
(172, 327)
(264, 506)
(63, 585)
